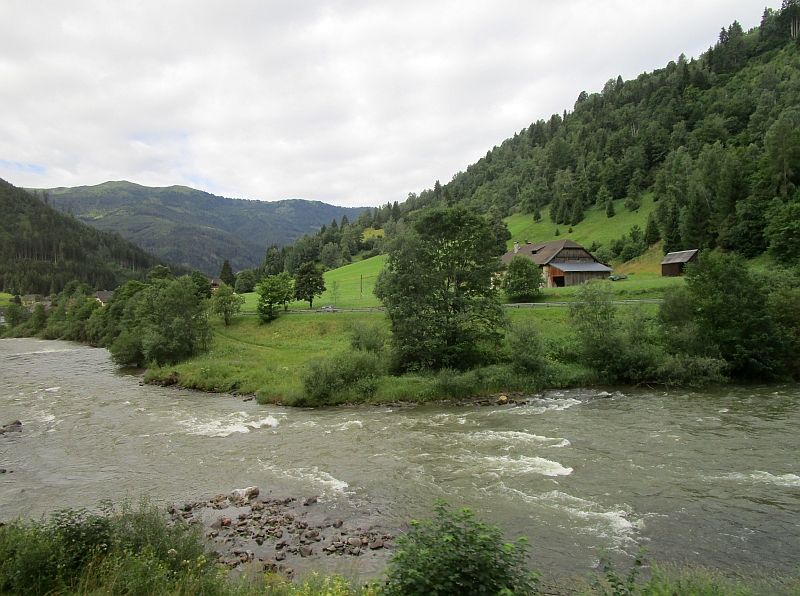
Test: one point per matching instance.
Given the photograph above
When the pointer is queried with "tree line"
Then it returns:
(449, 335)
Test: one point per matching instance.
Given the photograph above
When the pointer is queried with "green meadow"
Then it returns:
(271, 359)
(595, 227)
(350, 278)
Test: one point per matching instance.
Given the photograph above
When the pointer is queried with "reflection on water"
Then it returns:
(698, 476)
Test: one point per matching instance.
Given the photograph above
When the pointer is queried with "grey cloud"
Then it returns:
(349, 102)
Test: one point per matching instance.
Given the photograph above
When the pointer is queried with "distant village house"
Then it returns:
(215, 284)
(674, 262)
(563, 262)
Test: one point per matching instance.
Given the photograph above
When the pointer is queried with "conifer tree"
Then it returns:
(226, 274)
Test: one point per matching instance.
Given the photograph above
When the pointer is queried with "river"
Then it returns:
(706, 476)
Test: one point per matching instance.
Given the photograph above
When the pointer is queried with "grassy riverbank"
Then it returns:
(273, 360)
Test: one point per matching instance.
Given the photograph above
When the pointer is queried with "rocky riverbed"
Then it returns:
(289, 535)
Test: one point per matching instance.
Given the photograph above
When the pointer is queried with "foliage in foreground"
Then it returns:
(132, 552)
(452, 554)
(671, 580)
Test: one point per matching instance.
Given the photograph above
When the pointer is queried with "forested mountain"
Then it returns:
(195, 228)
(717, 139)
(42, 249)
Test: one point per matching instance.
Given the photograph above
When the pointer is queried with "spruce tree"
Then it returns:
(226, 274)
(610, 209)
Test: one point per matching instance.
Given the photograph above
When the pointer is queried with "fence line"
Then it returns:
(512, 305)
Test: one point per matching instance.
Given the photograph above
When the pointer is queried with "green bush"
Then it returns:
(526, 349)
(345, 377)
(127, 549)
(452, 554)
(368, 338)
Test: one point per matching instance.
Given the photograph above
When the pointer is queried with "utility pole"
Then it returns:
(362, 287)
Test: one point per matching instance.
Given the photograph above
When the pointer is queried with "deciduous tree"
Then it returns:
(437, 288)
(308, 283)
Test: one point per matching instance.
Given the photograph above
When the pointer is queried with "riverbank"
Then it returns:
(270, 361)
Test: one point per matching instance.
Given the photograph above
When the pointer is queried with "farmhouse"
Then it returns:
(563, 262)
(674, 262)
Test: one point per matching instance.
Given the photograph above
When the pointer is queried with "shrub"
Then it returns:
(368, 338)
(127, 551)
(345, 377)
(526, 349)
(454, 554)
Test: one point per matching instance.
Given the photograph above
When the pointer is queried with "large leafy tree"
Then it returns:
(731, 309)
(308, 283)
(437, 289)
(226, 303)
(275, 290)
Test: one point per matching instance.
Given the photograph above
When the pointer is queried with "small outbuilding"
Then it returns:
(674, 262)
(103, 296)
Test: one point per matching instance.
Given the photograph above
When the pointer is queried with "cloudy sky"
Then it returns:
(350, 102)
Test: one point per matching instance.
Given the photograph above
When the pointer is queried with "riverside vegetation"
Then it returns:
(446, 335)
(133, 551)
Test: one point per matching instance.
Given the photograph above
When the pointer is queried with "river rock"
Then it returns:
(244, 494)
(306, 551)
(502, 400)
(11, 427)
(310, 501)
(376, 544)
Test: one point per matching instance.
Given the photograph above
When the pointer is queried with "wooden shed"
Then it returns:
(563, 262)
(674, 262)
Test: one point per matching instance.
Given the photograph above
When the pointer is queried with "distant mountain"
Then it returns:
(42, 249)
(195, 228)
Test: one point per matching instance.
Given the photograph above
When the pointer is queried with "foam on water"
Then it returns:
(516, 437)
(787, 480)
(507, 465)
(351, 424)
(236, 422)
(613, 523)
(319, 479)
(53, 389)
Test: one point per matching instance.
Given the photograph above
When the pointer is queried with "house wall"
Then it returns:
(672, 270)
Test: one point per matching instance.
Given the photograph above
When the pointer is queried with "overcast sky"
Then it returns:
(349, 102)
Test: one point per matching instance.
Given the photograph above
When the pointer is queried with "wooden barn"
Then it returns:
(563, 262)
(674, 262)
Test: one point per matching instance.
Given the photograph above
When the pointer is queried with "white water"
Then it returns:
(709, 477)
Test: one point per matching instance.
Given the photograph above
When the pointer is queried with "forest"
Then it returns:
(43, 249)
(716, 139)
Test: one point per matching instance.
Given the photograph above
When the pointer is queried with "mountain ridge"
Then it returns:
(173, 221)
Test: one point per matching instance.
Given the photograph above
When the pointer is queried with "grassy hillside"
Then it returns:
(349, 278)
(195, 228)
(595, 227)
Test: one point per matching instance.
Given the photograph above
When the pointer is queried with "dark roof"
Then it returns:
(541, 253)
(103, 295)
(586, 266)
(683, 256)
(215, 281)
